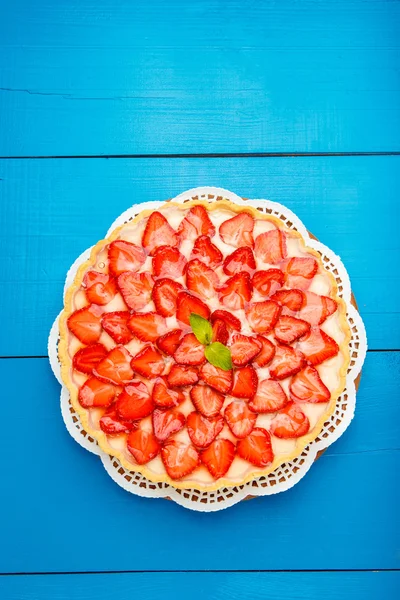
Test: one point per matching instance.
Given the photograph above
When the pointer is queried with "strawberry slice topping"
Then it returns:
(236, 291)
(256, 448)
(262, 316)
(166, 422)
(318, 346)
(112, 424)
(124, 256)
(134, 402)
(245, 382)
(165, 295)
(300, 271)
(87, 358)
(270, 397)
(115, 367)
(220, 332)
(238, 231)
(267, 351)
(200, 279)
(136, 289)
(307, 386)
(100, 288)
(206, 400)
(116, 325)
(85, 324)
(242, 259)
(196, 222)
(291, 299)
(287, 361)
(207, 252)
(169, 342)
(143, 446)
(96, 393)
(202, 430)
(158, 232)
(190, 351)
(164, 397)
(179, 459)
(290, 422)
(268, 282)
(317, 308)
(230, 321)
(240, 418)
(168, 262)
(289, 329)
(147, 326)
(216, 378)
(180, 376)
(188, 304)
(218, 457)
(244, 349)
(148, 362)
(270, 247)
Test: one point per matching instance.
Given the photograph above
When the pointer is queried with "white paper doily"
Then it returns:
(288, 473)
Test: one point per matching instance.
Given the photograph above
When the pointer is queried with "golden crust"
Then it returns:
(101, 437)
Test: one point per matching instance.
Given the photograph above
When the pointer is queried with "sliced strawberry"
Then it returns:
(100, 288)
(289, 329)
(206, 400)
(245, 382)
(238, 231)
(218, 457)
(134, 402)
(158, 232)
(96, 393)
(220, 332)
(196, 222)
(200, 279)
(165, 295)
(168, 262)
(267, 351)
(203, 430)
(112, 424)
(270, 247)
(262, 316)
(307, 386)
(300, 271)
(207, 252)
(166, 422)
(85, 324)
(287, 361)
(256, 448)
(124, 256)
(317, 308)
(290, 422)
(318, 346)
(188, 304)
(87, 358)
(230, 321)
(216, 378)
(239, 418)
(169, 342)
(136, 289)
(116, 325)
(241, 259)
(236, 291)
(179, 459)
(268, 282)
(143, 446)
(115, 367)
(164, 397)
(180, 376)
(147, 326)
(270, 397)
(190, 351)
(243, 349)
(148, 362)
(291, 299)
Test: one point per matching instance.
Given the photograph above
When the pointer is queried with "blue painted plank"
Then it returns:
(53, 210)
(51, 489)
(100, 77)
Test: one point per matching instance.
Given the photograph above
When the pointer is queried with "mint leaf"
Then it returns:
(219, 355)
(201, 328)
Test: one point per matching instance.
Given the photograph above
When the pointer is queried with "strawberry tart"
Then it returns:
(203, 345)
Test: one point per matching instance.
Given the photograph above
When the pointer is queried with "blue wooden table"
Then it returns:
(107, 103)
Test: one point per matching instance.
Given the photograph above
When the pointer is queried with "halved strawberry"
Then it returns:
(317, 308)
(203, 430)
(220, 332)
(112, 424)
(241, 259)
(216, 378)
(291, 299)
(267, 351)
(196, 222)
(164, 397)
(143, 446)
(136, 289)
(230, 321)
(85, 324)
(96, 393)
(270, 397)
(169, 342)
(116, 325)
(88, 357)
(287, 361)
(200, 279)
(245, 382)
(134, 402)
(190, 351)
(148, 362)
(300, 271)
(147, 326)
(166, 422)
(269, 281)
(206, 400)
(165, 294)
(240, 418)
(262, 316)
(256, 448)
(243, 349)
(270, 247)
(288, 329)
(158, 232)
(207, 252)
(115, 367)
(236, 291)
(290, 422)
(238, 231)
(100, 288)
(168, 262)
(307, 386)
(179, 459)
(218, 457)
(180, 376)
(318, 346)
(188, 304)
(124, 256)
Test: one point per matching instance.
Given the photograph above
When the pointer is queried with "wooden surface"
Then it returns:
(314, 79)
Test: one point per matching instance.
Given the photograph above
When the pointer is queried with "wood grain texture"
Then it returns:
(106, 77)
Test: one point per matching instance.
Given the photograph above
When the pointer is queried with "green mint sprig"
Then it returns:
(216, 353)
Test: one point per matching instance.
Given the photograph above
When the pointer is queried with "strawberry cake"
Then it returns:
(203, 345)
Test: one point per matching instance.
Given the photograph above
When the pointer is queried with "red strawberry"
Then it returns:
(147, 326)
(134, 402)
(239, 418)
(216, 378)
(290, 422)
(245, 382)
(166, 422)
(87, 358)
(236, 291)
(196, 222)
(112, 424)
(218, 457)
(300, 271)
(262, 316)
(85, 324)
(244, 349)
(143, 446)
(188, 304)
(270, 247)
(179, 459)
(200, 279)
(291, 299)
(240, 260)
(164, 397)
(116, 325)
(115, 367)
(190, 351)
(136, 289)
(256, 448)
(165, 294)
(267, 351)
(168, 262)
(220, 332)
(148, 362)
(270, 397)
(180, 376)
(206, 400)
(289, 329)
(124, 256)
(287, 361)
(318, 346)
(268, 282)
(96, 393)
(169, 342)
(307, 386)
(158, 232)
(230, 321)
(317, 308)
(207, 252)
(202, 430)
(100, 288)
(238, 231)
